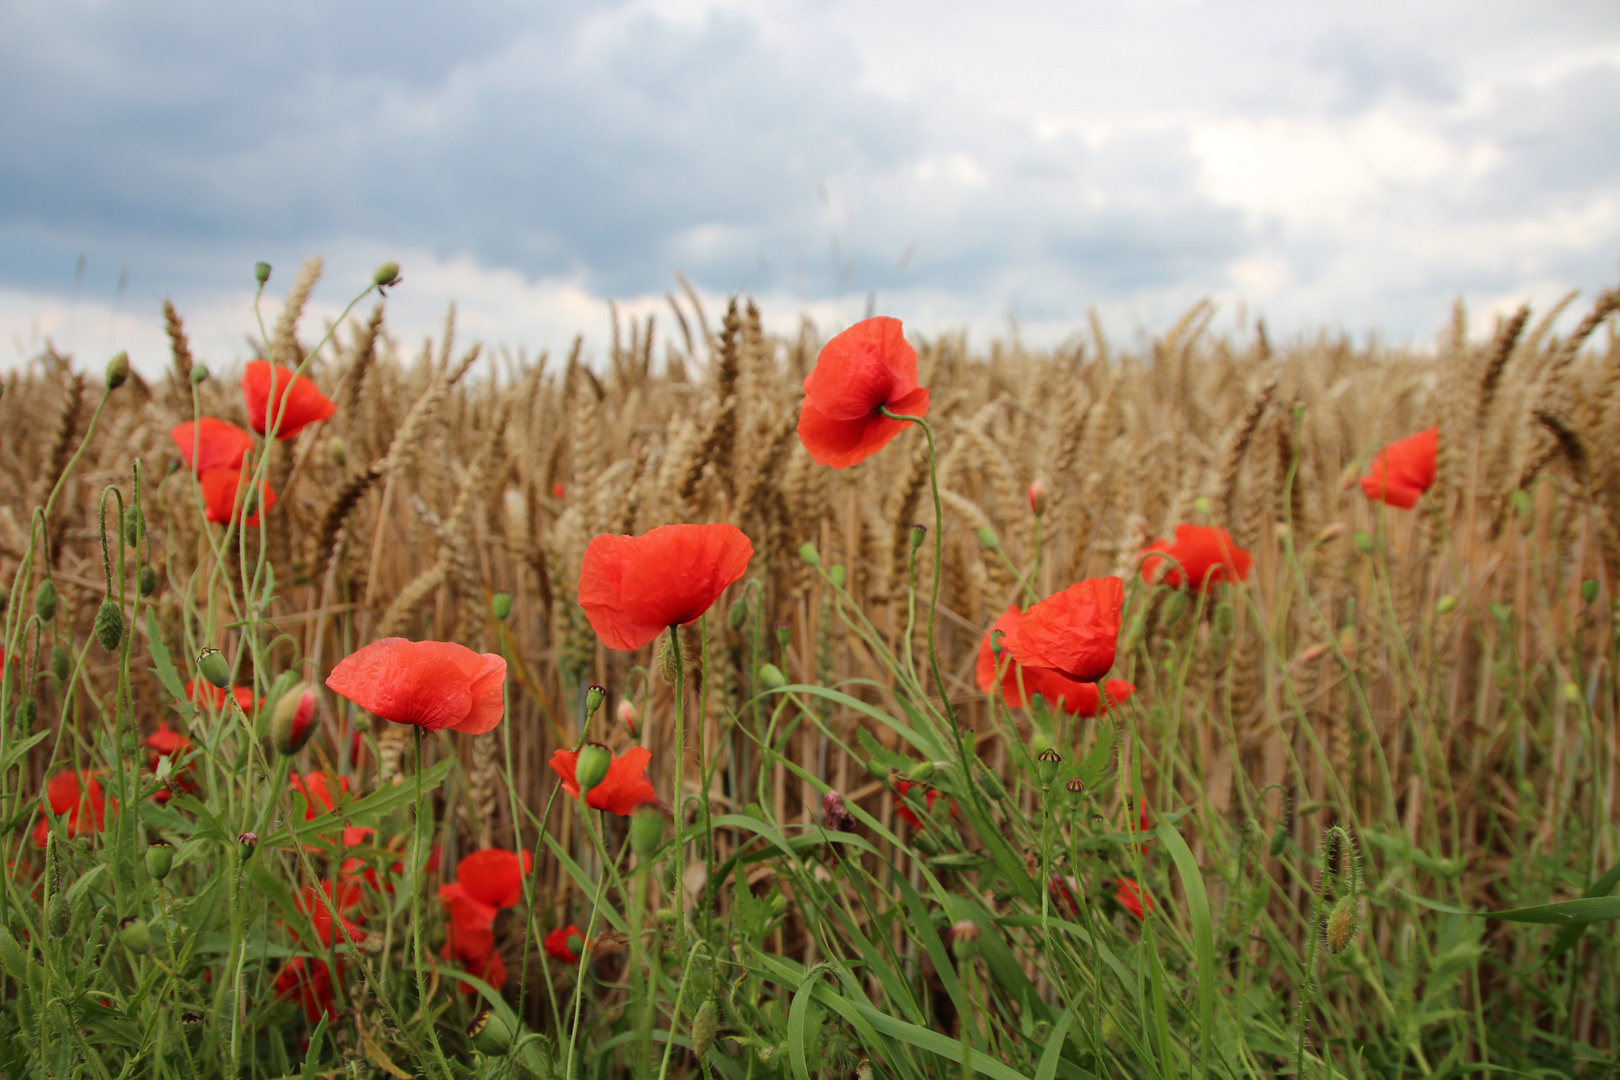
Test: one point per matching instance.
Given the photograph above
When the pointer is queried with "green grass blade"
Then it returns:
(1203, 937)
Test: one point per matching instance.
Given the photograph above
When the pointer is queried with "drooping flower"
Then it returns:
(222, 497)
(1404, 469)
(218, 444)
(623, 789)
(904, 811)
(1075, 698)
(557, 943)
(1074, 632)
(1207, 555)
(860, 372)
(165, 742)
(1132, 898)
(634, 587)
(486, 881)
(216, 697)
(308, 982)
(265, 387)
(78, 797)
(432, 684)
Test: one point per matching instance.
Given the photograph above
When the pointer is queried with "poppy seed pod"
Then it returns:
(737, 615)
(1046, 766)
(147, 581)
(646, 830)
(135, 934)
(12, 957)
(199, 374)
(1037, 497)
(987, 537)
(109, 625)
(704, 1025)
(387, 274)
(117, 371)
(919, 533)
(591, 767)
(261, 272)
(58, 917)
(784, 634)
(489, 1034)
(59, 664)
(247, 842)
(159, 859)
(771, 677)
(1075, 786)
(212, 665)
(293, 721)
(45, 601)
(594, 696)
(808, 552)
(964, 939)
(500, 605)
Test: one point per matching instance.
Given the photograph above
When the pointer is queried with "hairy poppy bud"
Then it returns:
(646, 828)
(212, 665)
(1225, 618)
(1037, 497)
(838, 575)
(808, 552)
(591, 767)
(922, 772)
(199, 375)
(293, 722)
(1279, 839)
(919, 533)
(489, 1034)
(135, 934)
(1046, 766)
(877, 769)
(839, 819)
(737, 615)
(964, 939)
(1342, 923)
(500, 605)
(667, 659)
(987, 537)
(784, 634)
(45, 601)
(159, 859)
(1445, 605)
(109, 625)
(992, 785)
(117, 371)
(925, 843)
(12, 957)
(59, 917)
(771, 677)
(1203, 505)
(147, 579)
(27, 712)
(387, 274)
(132, 527)
(1175, 606)
(594, 696)
(1364, 542)
(338, 451)
(59, 664)
(247, 841)
(704, 1025)
(1589, 590)
(627, 714)
(261, 272)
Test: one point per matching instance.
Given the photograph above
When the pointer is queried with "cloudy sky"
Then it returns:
(1352, 166)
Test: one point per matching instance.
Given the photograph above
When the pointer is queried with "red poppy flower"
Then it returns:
(860, 372)
(557, 943)
(431, 684)
(78, 797)
(317, 795)
(345, 896)
(1404, 469)
(486, 881)
(623, 789)
(1074, 633)
(222, 500)
(266, 387)
(904, 811)
(216, 697)
(1132, 898)
(634, 587)
(1206, 554)
(308, 982)
(218, 444)
(165, 742)
(1077, 698)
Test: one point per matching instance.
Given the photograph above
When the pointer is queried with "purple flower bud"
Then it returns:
(839, 819)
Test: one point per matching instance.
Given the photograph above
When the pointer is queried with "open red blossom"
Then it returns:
(623, 789)
(78, 797)
(1075, 698)
(308, 982)
(904, 811)
(634, 587)
(223, 497)
(862, 371)
(1074, 633)
(1404, 469)
(216, 697)
(486, 881)
(1132, 898)
(432, 684)
(265, 387)
(557, 943)
(217, 444)
(1207, 555)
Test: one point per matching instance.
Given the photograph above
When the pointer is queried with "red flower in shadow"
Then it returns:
(860, 372)
(634, 587)
(266, 387)
(1074, 633)
(1404, 469)
(623, 789)
(557, 943)
(431, 684)
(78, 797)
(308, 982)
(218, 444)
(486, 881)
(1206, 554)
(1132, 898)
(1060, 691)
(222, 497)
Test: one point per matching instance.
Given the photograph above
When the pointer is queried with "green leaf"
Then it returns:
(165, 667)
(1569, 935)
(1586, 910)
(385, 800)
(798, 1016)
(1192, 879)
(1047, 1068)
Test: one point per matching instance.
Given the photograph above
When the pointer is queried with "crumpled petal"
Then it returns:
(431, 684)
(1074, 632)
(304, 402)
(219, 444)
(867, 368)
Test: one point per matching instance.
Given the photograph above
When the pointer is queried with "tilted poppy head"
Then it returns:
(317, 794)
(1404, 469)
(309, 983)
(557, 943)
(634, 587)
(1131, 897)
(1206, 554)
(623, 789)
(432, 684)
(78, 797)
(223, 497)
(469, 917)
(216, 443)
(494, 876)
(1075, 632)
(265, 387)
(860, 372)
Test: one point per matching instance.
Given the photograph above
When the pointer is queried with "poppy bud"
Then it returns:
(575, 944)
(1075, 787)
(704, 1025)
(500, 605)
(992, 785)
(1175, 606)
(387, 274)
(12, 957)
(1342, 923)
(998, 641)
(1589, 590)
(1225, 618)
(1037, 497)
(45, 601)
(159, 859)
(919, 533)
(627, 715)
(59, 664)
(591, 767)
(1572, 693)
(27, 712)
(59, 917)
(877, 769)
(132, 528)
(117, 371)
(1046, 766)
(808, 552)
(127, 743)
(646, 829)
(199, 375)
(922, 772)
(987, 537)
(1364, 542)
(1445, 605)
(247, 841)
(148, 581)
(838, 575)
(925, 843)
(594, 696)
(839, 819)
(293, 722)
(489, 1033)
(338, 451)
(784, 634)
(737, 615)
(667, 659)
(771, 677)
(1203, 506)
(135, 935)
(261, 272)
(109, 625)
(212, 665)
(964, 939)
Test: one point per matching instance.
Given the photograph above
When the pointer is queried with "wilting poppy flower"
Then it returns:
(345, 896)
(1206, 554)
(623, 789)
(557, 943)
(265, 387)
(486, 881)
(1077, 698)
(218, 444)
(432, 684)
(1132, 898)
(634, 587)
(1074, 633)
(78, 797)
(1404, 469)
(216, 697)
(904, 811)
(860, 372)
(221, 490)
(308, 982)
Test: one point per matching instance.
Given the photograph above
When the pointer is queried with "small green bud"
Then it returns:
(147, 581)
(338, 451)
(128, 743)
(1279, 839)
(1572, 693)
(646, 830)
(12, 956)
(132, 528)
(965, 940)
(109, 625)
(925, 843)
(1342, 923)
(27, 712)
(784, 634)
(575, 944)
(59, 664)
(737, 614)
(261, 272)
(159, 859)
(1589, 590)
(771, 677)
(919, 533)
(922, 772)
(594, 696)
(808, 552)
(1203, 505)
(135, 934)
(1046, 766)
(117, 371)
(1225, 618)
(1175, 606)
(199, 374)
(58, 916)
(1445, 605)
(992, 785)
(213, 666)
(45, 600)
(500, 605)
(387, 274)
(877, 769)
(1364, 542)
(591, 767)
(838, 575)
(490, 1034)
(1524, 508)
(293, 721)
(987, 537)
(704, 1025)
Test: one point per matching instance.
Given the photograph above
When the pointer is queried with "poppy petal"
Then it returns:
(632, 588)
(217, 444)
(494, 876)
(431, 684)
(1074, 632)
(271, 389)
